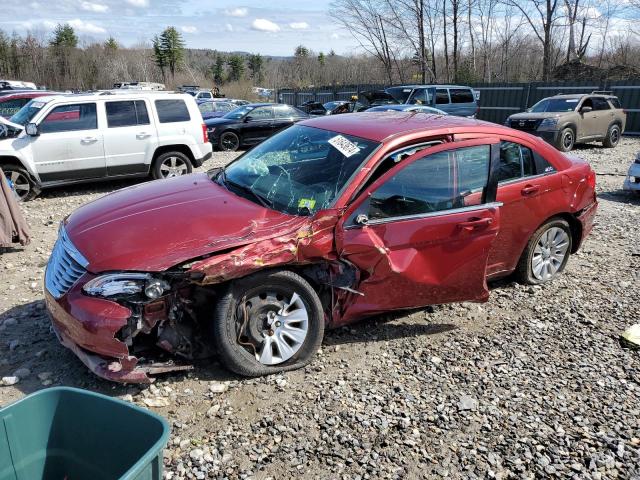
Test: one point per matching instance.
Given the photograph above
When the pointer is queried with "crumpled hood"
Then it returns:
(156, 225)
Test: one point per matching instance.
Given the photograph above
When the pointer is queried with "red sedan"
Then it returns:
(330, 221)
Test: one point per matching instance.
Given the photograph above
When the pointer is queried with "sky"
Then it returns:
(273, 27)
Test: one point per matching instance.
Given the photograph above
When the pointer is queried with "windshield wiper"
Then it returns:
(226, 182)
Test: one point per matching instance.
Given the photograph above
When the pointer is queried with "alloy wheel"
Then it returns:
(19, 183)
(229, 142)
(173, 167)
(567, 140)
(549, 253)
(615, 135)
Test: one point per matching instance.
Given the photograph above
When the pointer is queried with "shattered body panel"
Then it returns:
(195, 237)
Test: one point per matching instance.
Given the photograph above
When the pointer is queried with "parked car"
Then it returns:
(565, 120)
(251, 124)
(236, 101)
(454, 99)
(632, 180)
(312, 229)
(210, 109)
(311, 107)
(11, 104)
(201, 94)
(59, 140)
(407, 108)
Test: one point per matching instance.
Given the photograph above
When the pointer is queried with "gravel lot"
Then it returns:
(531, 384)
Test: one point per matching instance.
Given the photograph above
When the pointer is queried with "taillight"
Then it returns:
(205, 137)
(591, 179)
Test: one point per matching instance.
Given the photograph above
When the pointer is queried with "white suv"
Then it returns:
(81, 138)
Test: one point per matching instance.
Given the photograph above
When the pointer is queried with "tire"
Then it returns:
(278, 289)
(20, 182)
(534, 253)
(229, 142)
(171, 164)
(566, 140)
(613, 137)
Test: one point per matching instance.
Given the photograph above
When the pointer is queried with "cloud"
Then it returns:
(189, 29)
(299, 25)
(138, 3)
(228, 27)
(237, 12)
(335, 36)
(264, 25)
(86, 27)
(94, 7)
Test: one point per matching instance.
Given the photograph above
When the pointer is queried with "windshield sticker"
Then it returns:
(344, 145)
(37, 104)
(309, 203)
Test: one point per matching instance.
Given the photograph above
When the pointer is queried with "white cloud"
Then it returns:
(264, 25)
(86, 27)
(299, 25)
(335, 36)
(138, 3)
(237, 12)
(228, 27)
(189, 29)
(94, 7)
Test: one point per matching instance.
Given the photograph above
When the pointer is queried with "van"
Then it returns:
(456, 100)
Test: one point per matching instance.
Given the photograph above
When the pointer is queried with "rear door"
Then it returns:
(421, 234)
(442, 99)
(258, 125)
(129, 138)
(284, 116)
(589, 125)
(463, 103)
(605, 115)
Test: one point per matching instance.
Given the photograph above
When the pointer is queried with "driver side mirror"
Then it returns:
(32, 130)
(248, 118)
(586, 109)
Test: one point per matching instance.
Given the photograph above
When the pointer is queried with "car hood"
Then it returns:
(6, 122)
(536, 116)
(159, 224)
(214, 122)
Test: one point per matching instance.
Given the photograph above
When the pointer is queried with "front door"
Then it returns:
(421, 234)
(258, 125)
(70, 146)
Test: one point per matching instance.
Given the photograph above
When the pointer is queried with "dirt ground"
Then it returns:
(534, 383)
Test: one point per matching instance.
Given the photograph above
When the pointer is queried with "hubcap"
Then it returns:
(273, 328)
(615, 135)
(19, 183)
(173, 167)
(229, 142)
(549, 253)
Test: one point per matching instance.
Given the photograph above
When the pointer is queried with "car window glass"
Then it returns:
(206, 107)
(428, 184)
(516, 161)
(261, 113)
(10, 107)
(205, 95)
(461, 95)
(587, 103)
(283, 111)
(542, 165)
(69, 118)
(420, 96)
(600, 103)
(442, 96)
(615, 102)
(125, 114)
(172, 111)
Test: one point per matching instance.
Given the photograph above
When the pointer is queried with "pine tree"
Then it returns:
(218, 70)
(172, 46)
(111, 44)
(236, 66)
(256, 63)
(64, 37)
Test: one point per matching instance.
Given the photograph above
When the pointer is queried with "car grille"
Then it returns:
(526, 125)
(65, 266)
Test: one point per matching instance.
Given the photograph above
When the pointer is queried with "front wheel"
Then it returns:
(171, 164)
(566, 140)
(20, 182)
(268, 322)
(546, 254)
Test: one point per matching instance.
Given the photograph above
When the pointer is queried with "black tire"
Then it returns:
(20, 182)
(613, 137)
(524, 270)
(226, 323)
(171, 164)
(229, 142)
(566, 140)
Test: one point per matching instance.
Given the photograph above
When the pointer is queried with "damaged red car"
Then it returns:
(330, 221)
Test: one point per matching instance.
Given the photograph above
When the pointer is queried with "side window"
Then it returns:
(261, 113)
(70, 118)
(206, 107)
(461, 95)
(542, 165)
(282, 111)
(421, 96)
(430, 184)
(126, 114)
(600, 103)
(172, 111)
(516, 162)
(206, 95)
(442, 96)
(587, 103)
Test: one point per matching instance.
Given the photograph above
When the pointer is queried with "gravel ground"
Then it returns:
(531, 384)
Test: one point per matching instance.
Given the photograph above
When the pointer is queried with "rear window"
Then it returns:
(126, 114)
(171, 111)
(9, 108)
(461, 95)
(615, 102)
(442, 96)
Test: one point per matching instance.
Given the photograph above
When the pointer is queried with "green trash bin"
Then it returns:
(70, 434)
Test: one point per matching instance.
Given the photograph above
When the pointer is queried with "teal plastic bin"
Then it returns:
(70, 434)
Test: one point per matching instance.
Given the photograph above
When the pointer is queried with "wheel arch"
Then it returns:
(574, 225)
(184, 149)
(11, 160)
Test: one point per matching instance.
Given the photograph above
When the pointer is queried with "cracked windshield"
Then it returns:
(299, 171)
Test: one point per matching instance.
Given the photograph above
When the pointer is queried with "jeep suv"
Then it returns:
(564, 120)
(66, 139)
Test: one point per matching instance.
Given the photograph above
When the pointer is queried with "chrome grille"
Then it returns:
(65, 266)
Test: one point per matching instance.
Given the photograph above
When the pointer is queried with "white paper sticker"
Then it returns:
(37, 105)
(344, 145)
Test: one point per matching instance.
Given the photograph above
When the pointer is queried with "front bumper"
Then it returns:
(633, 174)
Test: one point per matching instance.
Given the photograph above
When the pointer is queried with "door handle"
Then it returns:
(87, 140)
(143, 135)
(475, 223)
(530, 190)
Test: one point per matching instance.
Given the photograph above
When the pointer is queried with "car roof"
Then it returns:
(580, 95)
(380, 126)
(38, 93)
(433, 85)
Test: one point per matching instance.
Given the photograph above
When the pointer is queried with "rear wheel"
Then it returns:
(566, 140)
(268, 322)
(546, 254)
(19, 181)
(613, 137)
(229, 142)
(171, 164)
